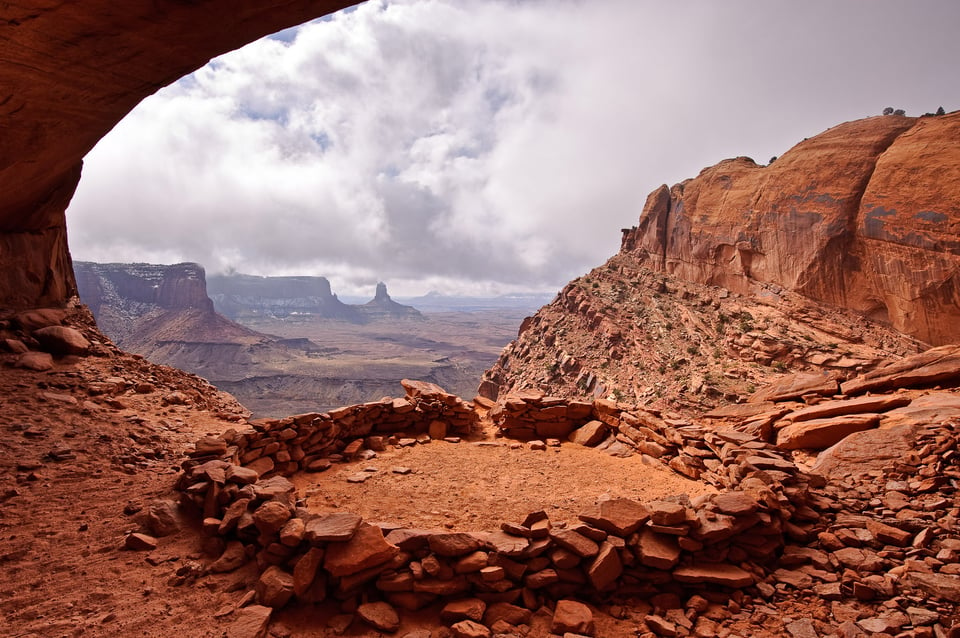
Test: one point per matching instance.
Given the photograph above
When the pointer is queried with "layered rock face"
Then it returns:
(71, 71)
(238, 296)
(864, 216)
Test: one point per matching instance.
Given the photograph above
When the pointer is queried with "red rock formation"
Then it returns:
(70, 72)
(863, 216)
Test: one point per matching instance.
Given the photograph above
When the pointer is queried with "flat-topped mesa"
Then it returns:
(175, 287)
(864, 216)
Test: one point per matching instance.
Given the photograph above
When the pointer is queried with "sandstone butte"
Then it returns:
(864, 216)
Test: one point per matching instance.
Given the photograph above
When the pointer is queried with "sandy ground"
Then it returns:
(477, 485)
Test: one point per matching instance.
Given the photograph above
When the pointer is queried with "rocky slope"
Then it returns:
(817, 262)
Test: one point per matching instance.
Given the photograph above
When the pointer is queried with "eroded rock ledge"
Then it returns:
(71, 71)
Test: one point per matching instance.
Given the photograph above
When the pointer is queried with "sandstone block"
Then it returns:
(714, 573)
(251, 622)
(453, 544)
(332, 527)
(305, 571)
(379, 615)
(469, 629)
(571, 616)
(274, 587)
(606, 567)
(590, 434)
(366, 548)
(659, 551)
(575, 542)
(62, 340)
(617, 516)
(465, 609)
(822, 433)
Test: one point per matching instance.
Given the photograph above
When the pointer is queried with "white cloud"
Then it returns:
(493, 145)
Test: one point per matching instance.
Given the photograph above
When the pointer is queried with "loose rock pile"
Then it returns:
(706, 549)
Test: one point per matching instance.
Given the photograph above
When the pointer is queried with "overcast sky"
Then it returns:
(486, 146)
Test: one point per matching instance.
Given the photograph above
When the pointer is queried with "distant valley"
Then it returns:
(284, 345)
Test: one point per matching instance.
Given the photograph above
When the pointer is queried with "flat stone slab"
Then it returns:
(820, 434)
(336, 526)
(716, 574)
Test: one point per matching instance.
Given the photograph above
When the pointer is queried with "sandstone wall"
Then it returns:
(711, 546)
(863, 216)
(71, 71)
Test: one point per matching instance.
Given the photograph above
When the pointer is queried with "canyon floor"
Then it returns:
(354, 363)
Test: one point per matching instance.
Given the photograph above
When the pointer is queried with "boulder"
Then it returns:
(571, 616)
(36, 361)
(794, 386)
(589, 434)
(366, 548)
(379, 615)
(863, 452)
(857, 405)
(715, 574)
(274, 587)
(935, 366)
(62, 340)
(618, 516)
(819, 434)
(250, 622)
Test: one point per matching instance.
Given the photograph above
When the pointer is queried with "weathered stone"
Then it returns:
(270, 517)
(506, 612)
(469, 629)
(618, 516)
(233, 557)
(795, 386)
(241, 475)
(453, 543)
(606, 567)
(332, 527)
(305, 571)
(659, 551)
(162, 519)
(62, 340)
(822, 433)
(365, 549)
(379, 615)
(863, 452)
(571, 616)
(292, 532)
(859, 405)
(735, 503)
(944, 586)
(934, 366)
(140, 542)
(575, 542)
(36, 361)
(589, 434)
(465, 609)
(667, 513)
(250, 622)
(714, 573)
(274, 587)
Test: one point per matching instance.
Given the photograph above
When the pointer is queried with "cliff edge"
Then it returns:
(864, 216)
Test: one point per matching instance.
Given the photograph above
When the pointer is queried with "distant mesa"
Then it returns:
(241, 296)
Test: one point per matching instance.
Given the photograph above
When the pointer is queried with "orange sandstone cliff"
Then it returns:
(864, 216)
(70, 72)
